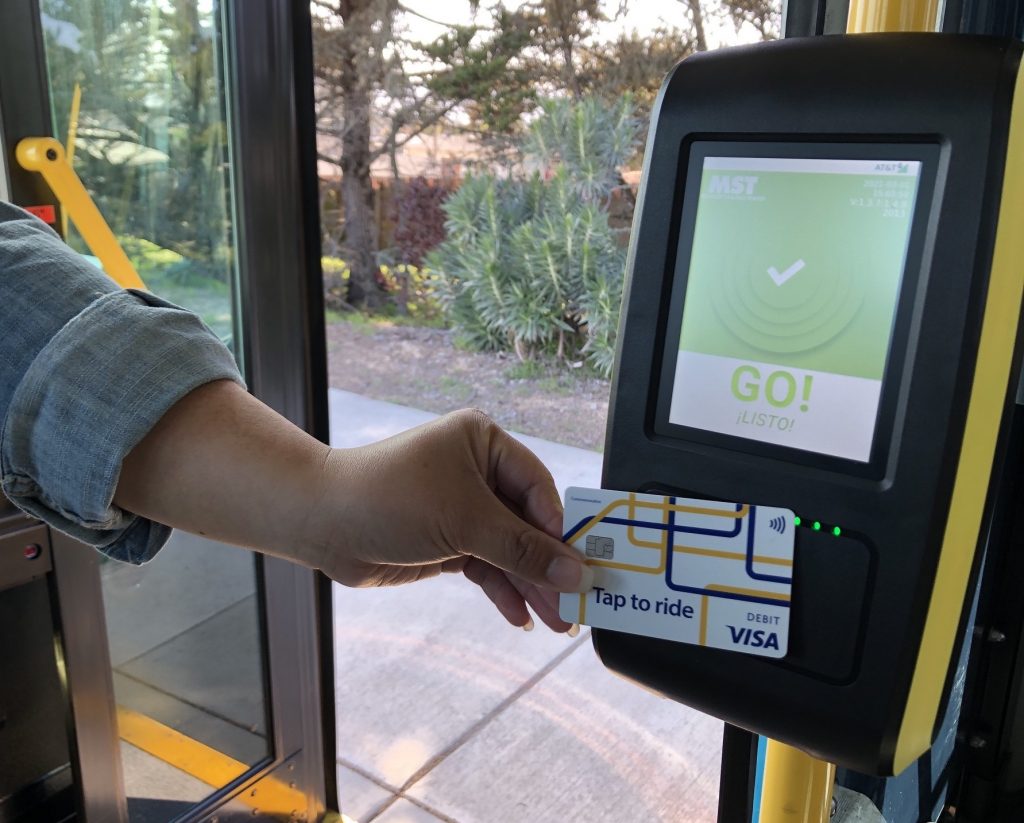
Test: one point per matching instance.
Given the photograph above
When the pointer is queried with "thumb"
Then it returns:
(502, 539)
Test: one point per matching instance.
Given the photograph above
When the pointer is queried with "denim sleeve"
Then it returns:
(86, 370)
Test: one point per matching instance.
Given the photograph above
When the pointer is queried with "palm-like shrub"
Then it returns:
(532, 264)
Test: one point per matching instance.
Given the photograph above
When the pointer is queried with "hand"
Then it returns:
(455, 495)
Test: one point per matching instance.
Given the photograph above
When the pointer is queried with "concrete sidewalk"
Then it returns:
(445, 713)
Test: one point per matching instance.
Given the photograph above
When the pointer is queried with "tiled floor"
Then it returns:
(447, 713)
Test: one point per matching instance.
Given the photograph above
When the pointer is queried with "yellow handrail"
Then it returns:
(892, 15)
(46, 156)
(69, 145)
(796, 788)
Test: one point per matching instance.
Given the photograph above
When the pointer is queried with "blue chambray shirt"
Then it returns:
(86, 370)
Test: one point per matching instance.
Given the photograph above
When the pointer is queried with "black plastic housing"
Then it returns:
(859, 601)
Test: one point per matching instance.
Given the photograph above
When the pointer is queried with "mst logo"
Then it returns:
(732, 184)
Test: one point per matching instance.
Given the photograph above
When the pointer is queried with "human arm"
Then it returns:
(86, 369)
(455, 495)
(120, 413)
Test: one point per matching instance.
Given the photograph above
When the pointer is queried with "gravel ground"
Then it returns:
(420, 367)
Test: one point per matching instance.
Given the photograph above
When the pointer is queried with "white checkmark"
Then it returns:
(781, 277)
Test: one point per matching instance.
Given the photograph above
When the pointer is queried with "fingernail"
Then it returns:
(568, 574)
(574, 630)
(528, 625)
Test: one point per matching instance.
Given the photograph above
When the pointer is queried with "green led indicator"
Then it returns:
(816, 526)
(837, 531)
(797, 521)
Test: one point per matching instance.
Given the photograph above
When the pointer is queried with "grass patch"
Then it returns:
(454, 385)
(549, 376)
(526, 370)
(382, 320)
(184, 282)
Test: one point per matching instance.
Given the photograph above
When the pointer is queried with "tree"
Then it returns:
(352, 38)
(764, 16)
(369, 105)
(377, 90)
(151, 139)
(634, 64)
(561, 28)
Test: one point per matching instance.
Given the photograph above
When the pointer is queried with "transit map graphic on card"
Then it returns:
(695, 571)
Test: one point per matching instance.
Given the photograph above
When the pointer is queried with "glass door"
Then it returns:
(138, 97)
(215, 654)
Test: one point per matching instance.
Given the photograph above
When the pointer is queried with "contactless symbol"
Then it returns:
(778, 524)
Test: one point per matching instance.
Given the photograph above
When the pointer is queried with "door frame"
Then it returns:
(267, 54)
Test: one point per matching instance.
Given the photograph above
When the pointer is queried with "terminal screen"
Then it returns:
(794, 279)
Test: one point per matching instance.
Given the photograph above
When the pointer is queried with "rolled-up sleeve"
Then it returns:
(86, 370)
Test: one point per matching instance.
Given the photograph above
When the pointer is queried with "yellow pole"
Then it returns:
(893, 15)
(46, 156)
(796, 787)
(76, 106)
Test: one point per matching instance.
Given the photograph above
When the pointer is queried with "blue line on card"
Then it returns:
(643, 524)
(670, 554)
(672, 529)
(768, 578)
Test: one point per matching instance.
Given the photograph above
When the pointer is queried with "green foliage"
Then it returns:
(526, 370)
(532, 264)
(482, 70)
(149, 259)
(411, 286)
(151, 142)
(633, 64)
(589, 140)
(183, 281)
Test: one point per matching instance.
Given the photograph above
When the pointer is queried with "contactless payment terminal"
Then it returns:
(794, 278)
(822, 316)
(695, 571)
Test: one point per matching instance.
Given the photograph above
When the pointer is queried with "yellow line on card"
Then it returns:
(631, 530)
(715, 587)
(732, 514)
(775, 561)
(597, 518)
(627, 567)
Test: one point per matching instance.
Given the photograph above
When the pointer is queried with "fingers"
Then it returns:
(498, 536)
(499, 591)
(522, 478)
(544, 603)
(523, 539)
(510, 595)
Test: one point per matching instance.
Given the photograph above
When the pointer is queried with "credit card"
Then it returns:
(710, 573)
